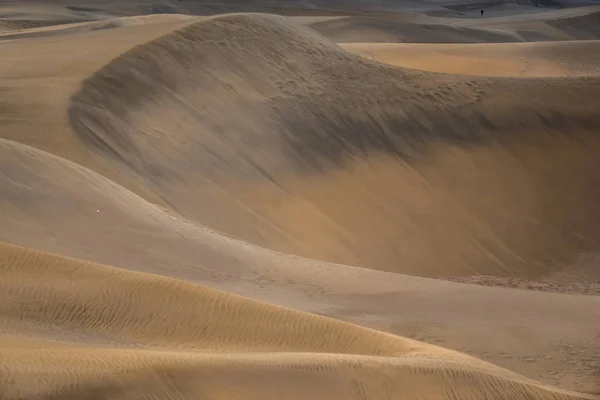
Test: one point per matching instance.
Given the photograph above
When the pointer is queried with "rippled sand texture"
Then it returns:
(236, 206)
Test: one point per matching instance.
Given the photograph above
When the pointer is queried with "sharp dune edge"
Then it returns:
(250, 154)
(299, 152)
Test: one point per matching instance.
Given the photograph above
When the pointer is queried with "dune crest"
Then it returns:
(176, 333)
(286, 166)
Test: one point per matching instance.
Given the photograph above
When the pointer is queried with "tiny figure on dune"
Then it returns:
(481, 13)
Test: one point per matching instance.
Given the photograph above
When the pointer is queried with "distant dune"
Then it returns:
(379, 30)
(548, 59)
(579, 23)
(503, 27)
(255, 206)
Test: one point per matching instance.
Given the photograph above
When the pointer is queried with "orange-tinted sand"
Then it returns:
(236, 206)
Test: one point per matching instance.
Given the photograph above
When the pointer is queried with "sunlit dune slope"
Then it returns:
(49, 203)
(390, 30)
(271, 133)
(548, 59)
(153, 337)
(129, 308)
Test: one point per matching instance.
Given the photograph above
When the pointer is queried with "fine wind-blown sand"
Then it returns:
(148, 336)
(153, 169)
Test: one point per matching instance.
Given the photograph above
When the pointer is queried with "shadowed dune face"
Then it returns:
(580, 27)
(579, 23)
(261, 137)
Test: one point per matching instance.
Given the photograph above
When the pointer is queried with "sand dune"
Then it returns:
(376, 30)
(325, 182)
(169, 331)
(549, 59)
(569, 24)
(80, 27)
(49, 203)
(580, 23)
(220, 165)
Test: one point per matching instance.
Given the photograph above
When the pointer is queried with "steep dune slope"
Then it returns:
(184, 340)
(49, 203)
(262, 137)
(43, 69)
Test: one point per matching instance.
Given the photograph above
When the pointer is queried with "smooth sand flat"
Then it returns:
(229, 206)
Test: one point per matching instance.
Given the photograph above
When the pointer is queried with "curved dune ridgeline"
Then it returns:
(154, 337)
(247, 124)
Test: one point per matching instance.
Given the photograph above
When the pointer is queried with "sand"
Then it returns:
(250, 206)
(539, 59)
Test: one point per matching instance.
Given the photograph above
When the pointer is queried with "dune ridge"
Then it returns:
(270, 166)
(170, 325)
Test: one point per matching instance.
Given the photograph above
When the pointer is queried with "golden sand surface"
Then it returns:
(361, 205)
